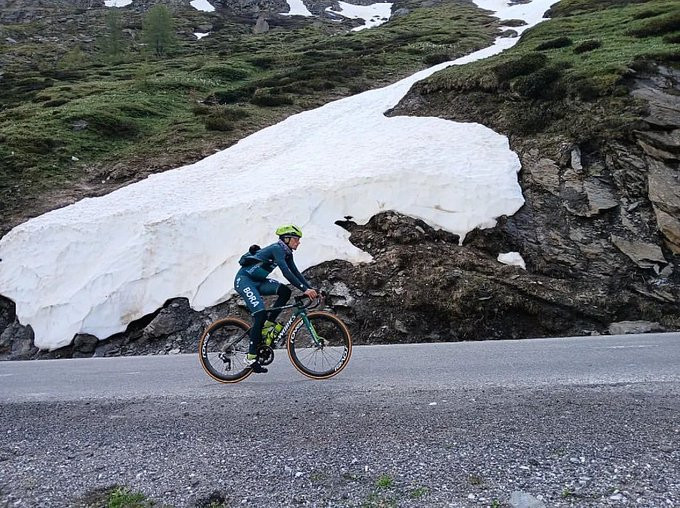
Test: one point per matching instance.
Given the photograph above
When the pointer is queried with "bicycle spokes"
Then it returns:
(320, 345)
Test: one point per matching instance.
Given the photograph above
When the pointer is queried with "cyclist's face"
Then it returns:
(293, 242)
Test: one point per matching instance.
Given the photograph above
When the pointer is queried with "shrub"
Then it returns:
(672, 38)
(224, 72)
(232, 113)
(199, 109)
(658, 25)
(232, 96)
(218, 123)
(536, 84)
(271, 100)
(436, 58)
(106, 123)
(54, 103)
(588, 45)
(586, 89)
(647, 14)
(320, 84)
(263, 62)
(359, 87)
(560, 42)
(39, 145)
(298, 88)
(521, 66)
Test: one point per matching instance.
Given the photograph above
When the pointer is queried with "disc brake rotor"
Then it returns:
(265, 355)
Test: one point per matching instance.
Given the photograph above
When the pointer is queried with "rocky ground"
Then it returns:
(581, 446)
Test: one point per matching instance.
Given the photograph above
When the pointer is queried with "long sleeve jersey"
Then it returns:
(265, 260)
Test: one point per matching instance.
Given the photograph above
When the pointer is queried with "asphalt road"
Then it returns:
(590, 421)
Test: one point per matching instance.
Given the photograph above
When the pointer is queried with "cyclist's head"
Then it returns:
(290, 232)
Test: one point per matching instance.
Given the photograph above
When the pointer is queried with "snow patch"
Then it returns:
(512, 258)
(117, 3)
(202, 5)
(100, 263)
(297, 8)
(373, 15)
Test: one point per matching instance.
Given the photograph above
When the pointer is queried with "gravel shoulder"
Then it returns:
(578, 445)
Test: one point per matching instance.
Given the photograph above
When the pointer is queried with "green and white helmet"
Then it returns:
(289, 230)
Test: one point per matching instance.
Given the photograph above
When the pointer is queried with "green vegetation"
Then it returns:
(112, 43)
(159, 30)
(419, 492)
(121, 497)
(110, 104)
(384, 482)
(559, 61)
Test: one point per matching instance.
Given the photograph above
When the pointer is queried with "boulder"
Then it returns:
(670, 228)
(7, 313)
(546, 174)
(17, 340)
(339, 295)
(600, 196)
(261, 25)
(645, 255)
(175, 316)
(85, 343)
(664, 193)
(626, 327)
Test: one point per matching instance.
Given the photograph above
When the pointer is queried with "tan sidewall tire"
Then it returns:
(337, 320)
(200, 348)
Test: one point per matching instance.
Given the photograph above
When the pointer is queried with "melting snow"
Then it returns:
(512, 258)
(373, 15)
(117, 3)
(96, 265)
(297, 8)
(202, 5)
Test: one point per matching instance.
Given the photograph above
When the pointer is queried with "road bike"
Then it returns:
(319, 344)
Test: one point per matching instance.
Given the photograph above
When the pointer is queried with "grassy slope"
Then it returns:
(584, 54)
(145, 113)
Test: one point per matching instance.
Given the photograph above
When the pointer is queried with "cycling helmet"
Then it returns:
(289, 230)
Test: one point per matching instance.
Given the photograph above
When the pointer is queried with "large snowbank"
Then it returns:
(100, 263)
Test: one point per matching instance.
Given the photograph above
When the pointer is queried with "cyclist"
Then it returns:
(251, 283)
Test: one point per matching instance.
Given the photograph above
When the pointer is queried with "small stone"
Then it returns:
(519, 499)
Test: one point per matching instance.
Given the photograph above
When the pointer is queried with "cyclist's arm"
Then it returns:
(280, 258)
(296, 272)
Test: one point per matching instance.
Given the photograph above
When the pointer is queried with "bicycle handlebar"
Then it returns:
(308, 305)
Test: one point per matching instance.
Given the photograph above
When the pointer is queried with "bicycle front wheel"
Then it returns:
(222, 350)
(320, 346)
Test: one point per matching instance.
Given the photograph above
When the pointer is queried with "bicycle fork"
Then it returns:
(317, 340)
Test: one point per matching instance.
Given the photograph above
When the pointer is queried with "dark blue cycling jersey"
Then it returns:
(267, 259)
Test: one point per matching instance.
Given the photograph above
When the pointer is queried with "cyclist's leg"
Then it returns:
(250, 292)
(273, 287)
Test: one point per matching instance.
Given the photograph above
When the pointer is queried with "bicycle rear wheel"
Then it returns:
(328, 356)
(222, 350)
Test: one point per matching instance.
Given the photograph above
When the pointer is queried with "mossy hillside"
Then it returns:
(585, 55)
(66, 122)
